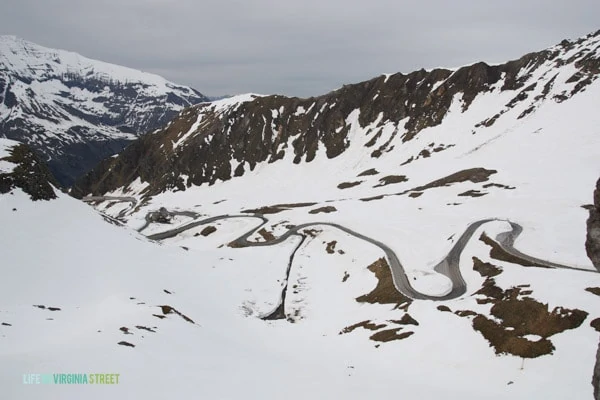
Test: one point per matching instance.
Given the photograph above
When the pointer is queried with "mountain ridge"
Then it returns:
(75, 111)
(223, 140)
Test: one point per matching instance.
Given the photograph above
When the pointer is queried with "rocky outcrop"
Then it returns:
(222, 140)
(592, 243)
(29, 174)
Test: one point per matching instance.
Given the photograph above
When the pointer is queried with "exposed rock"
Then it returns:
(227, 140)
(30, 174)
(592, 243)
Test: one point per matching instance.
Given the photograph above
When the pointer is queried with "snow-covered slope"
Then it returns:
(76, 111)
(328, 267)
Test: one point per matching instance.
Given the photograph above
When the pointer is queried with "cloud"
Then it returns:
(296, 48)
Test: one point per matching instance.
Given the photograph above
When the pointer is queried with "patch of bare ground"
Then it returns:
(346, 276)
(369, 172)
(268, 236)
(498, 185)
(170, 310)
(444, 308)
(125, 330)
(311, 232)
(472, 193)
(6, 324)
(208, 230)
(498, 253)
(385, 292)
(145, 328)
(347, 185)
(486, 270)
(42, 307)
(391, 179)
(475, 175)
(414, 195)
(388, 335)
(364, 324)
(330, 249)
(372, 198)
(277, 208)
(594, 290)
(516, 316)
(407, 319)
(124, 343)
(326, 209)
(595, 324)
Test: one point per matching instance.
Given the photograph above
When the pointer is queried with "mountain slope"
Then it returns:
(75, 111)
(220, 140)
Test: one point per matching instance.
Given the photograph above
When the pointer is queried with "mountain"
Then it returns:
(75, 111)
(421, 235)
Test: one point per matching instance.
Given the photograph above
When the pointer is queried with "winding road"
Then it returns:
(449, 266)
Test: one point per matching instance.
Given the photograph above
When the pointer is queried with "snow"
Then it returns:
(91, 269)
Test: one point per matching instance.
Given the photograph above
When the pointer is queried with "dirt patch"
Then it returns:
(170, 310)
(277, 208)
(326, 209)
(369, 172)
(330, 249)
(475, 175)
(443, 308)
(596, 324)
(372, 198)
(346, 276)
(489, 185)
(498, 253)
(6, 324)
(472, 193)
(385, 292)
(124, 343)
(414, 195)
(347, 185)
(125, 330)
(515, 316)
(406, 320)
(594, 290)
(145, 328)
(208, 230)
(391, 179)
(390, 334)
(486, 270)
(268, 236)
(364, 324)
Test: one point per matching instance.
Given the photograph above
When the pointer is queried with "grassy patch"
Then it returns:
(208, 230)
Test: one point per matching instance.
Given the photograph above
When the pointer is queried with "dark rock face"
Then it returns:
(30, 174)
(592, 244)
(229, 140)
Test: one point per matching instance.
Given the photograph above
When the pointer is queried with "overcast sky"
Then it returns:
(300, 47)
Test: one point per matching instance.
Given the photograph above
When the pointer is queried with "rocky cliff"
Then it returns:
(228, 138)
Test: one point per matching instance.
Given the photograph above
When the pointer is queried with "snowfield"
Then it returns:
(193, 304)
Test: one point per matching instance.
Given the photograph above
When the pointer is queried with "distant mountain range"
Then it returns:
(74, 111)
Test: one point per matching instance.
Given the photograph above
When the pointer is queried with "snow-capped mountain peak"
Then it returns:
(74, 110)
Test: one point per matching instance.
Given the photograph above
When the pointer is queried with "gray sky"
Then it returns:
(300, 48)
